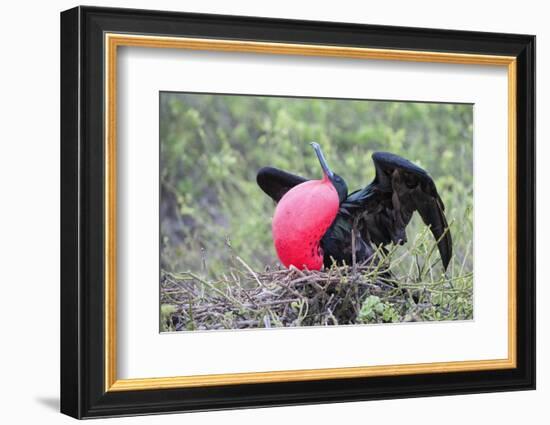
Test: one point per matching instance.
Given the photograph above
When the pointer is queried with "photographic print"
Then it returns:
(287, 212)
(302, 192)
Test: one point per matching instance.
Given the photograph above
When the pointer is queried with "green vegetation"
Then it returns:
(212, 209)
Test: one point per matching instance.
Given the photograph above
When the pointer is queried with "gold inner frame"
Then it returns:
(113, 41)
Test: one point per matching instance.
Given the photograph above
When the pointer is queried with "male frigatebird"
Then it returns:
(314, 219)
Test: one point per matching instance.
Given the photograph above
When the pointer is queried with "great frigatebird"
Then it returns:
(313, 221)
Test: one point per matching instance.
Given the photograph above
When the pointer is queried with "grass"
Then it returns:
(404, 284)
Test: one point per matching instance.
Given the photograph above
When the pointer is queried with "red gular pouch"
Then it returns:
(302, 217)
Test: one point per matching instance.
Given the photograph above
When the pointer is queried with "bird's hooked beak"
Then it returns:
(328, 172)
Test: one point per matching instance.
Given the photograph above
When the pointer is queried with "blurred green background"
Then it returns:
(213, 145)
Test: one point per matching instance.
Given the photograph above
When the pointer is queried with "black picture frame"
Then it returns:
(83, 392)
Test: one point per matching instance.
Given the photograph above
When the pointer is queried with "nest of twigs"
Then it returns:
(390, 287)
(277, 298)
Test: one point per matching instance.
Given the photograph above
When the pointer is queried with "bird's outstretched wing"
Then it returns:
(385, 207)
(277, 182)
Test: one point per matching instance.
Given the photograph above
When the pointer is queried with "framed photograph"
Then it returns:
(261, 212)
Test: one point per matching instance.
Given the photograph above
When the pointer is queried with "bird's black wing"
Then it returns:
(277, 182)
(385, 207)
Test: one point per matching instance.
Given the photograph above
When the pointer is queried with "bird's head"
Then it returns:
(337, 181)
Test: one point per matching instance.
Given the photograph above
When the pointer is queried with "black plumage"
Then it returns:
(380, 211)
